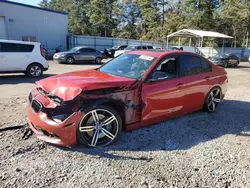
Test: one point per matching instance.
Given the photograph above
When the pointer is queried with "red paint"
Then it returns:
(163, 99)
(69, 85)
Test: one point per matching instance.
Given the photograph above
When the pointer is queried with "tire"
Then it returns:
(98, 60)
(212, 100)
(70, 60)
(34, 70)
(94, 133)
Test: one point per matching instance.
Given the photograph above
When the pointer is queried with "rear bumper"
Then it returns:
(59, 133)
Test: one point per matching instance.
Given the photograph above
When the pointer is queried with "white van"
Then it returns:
(22, 57)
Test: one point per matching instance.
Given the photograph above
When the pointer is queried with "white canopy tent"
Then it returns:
(200, 34)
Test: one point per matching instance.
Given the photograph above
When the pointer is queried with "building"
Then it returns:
(29, 23)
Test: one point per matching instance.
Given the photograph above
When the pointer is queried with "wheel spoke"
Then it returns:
(213, 106)
(216, 100)
(217, 93)
(95, 138)
(109, 120)
(108, 134)
(210, 102)
(212, 94)
(87, 128)
(95, 116)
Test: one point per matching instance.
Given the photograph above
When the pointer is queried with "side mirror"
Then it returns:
(158, 75)
(78, 52)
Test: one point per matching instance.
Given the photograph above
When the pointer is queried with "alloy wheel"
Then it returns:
(70, 60)
(214, 99)
(35, 70)
(98, 60)
(99, 127)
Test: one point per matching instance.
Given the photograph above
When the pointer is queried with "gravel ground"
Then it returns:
(196, 150)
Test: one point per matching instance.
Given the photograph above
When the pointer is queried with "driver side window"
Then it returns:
(167, 69)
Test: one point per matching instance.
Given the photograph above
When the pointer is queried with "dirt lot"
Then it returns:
(197, 150)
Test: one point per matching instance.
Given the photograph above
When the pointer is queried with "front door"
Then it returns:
(162, 94)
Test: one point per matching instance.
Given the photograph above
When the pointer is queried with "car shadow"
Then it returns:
(18, 78)
(240, 67)
(232, 117)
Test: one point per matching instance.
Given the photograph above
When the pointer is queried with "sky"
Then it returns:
(29, 2)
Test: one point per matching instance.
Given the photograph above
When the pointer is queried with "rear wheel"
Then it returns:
(100, 126)
(213, 99)
(34, 70)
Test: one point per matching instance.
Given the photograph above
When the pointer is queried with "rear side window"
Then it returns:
(150, 47)
(144, 47)
(189, 65)
(206, 67)
(88, 50)
(14, 47)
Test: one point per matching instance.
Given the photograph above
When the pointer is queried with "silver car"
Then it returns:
(79, 54)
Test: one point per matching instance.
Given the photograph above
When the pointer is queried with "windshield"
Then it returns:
(73, 50)
(130, 48)
(128, 65)
(115, 47)
(220, 56)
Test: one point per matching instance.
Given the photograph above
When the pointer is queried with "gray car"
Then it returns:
(78, 54)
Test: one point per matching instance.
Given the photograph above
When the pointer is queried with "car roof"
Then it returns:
(19, 42)
(159, 53)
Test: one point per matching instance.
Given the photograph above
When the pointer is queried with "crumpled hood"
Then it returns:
(69, 85)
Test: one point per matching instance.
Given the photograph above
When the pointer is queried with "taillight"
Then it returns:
(42, 51)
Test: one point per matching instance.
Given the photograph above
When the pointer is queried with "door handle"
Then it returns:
(207, 77)
(179, 84)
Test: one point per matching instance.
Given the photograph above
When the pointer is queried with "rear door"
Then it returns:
(87, 54)
(197, 81)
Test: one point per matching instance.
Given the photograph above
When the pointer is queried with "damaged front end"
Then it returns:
(54, 117)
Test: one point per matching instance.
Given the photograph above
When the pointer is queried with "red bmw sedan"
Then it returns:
(133, 90)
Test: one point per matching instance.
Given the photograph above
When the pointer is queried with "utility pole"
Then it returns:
(247, 41)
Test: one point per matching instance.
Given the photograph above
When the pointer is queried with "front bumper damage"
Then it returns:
(56, 121)
(49, 129)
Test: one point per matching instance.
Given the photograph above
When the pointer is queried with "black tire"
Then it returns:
(98, 60)
(215, 101)
(87, 128)
(34, 70)
(70, 60)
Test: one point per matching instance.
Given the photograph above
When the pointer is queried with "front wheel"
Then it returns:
(34, 70)
(100, 126)
(70, 60)
(213, 99)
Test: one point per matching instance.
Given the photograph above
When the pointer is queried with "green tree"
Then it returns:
(236, 14)
(101, 16)
(128, 17)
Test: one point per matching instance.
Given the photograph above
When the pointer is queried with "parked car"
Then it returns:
(111, 51)
(22, 57)
(225, 60)
(133, 90)
(132, 47)
(79, 54)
